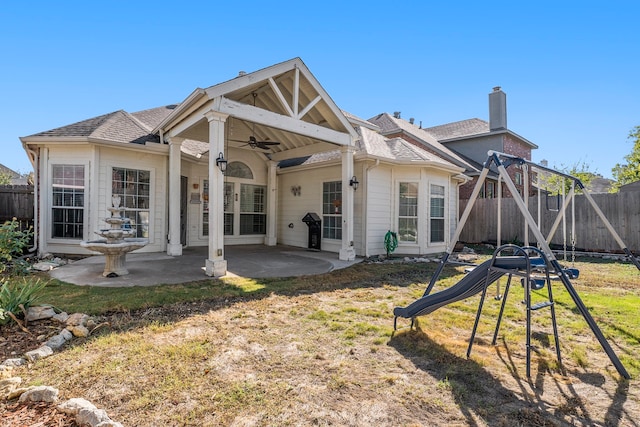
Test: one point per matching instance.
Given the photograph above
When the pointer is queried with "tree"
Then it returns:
(629, 172)
(5, 179)
(553, 183)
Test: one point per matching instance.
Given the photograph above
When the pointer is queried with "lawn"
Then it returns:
(321, 350)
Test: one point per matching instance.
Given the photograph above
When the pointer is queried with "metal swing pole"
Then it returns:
(461, 223)
(556, 265)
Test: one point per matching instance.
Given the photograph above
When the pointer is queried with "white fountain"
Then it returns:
(116, 242)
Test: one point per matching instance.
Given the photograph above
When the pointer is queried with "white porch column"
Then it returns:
(174, 248)
(216, 265)
(272, 202)
(347, 252)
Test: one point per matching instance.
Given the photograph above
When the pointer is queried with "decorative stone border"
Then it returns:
(76, 325)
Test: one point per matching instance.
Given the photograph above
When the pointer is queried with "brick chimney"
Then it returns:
(497, 109)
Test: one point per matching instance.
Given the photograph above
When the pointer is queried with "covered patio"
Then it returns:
(274, 114)
(251, 261)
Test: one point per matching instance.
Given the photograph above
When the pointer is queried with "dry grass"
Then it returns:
(327, 354)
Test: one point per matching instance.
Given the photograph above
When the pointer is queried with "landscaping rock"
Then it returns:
(109, 424)
(16, 393)
(39, 313)
(66, 334)
(40, 394)
(13, 362)
(38, 353)
(44, 266)
(91, 417)
(61, 317)
(78, 330)
(77, 319)
(75, 405)
(56, 341)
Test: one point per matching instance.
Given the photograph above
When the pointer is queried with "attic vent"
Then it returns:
(396, 114)
(411, 120)
(242, 73)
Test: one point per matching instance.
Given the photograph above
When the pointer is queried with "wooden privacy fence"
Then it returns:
(621, 209)
(16, 201)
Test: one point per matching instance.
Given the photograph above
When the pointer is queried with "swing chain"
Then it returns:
(573, 251)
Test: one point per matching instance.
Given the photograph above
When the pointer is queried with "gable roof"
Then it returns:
(118, 126)
(7, 171)
(468, 129)
(389, 124)
(283, 102)
(459, 129)
(374, 145)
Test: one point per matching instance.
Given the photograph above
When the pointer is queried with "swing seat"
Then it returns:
(536, 284)
(573, 273)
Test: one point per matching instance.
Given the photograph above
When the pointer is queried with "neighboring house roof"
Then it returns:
(389, 124)
(634, 186)
(468, 128)
(15, 177)
(118, 126)
(599, 185)
(459, 129)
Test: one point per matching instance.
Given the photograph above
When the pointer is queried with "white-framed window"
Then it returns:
(134, 188)
(253, 204)
(518, 178)
(408, 212)
(436, 213)
(251, 209)
(67, 201)
(332, 210)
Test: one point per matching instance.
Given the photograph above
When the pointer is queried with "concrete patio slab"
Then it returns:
(251, 261)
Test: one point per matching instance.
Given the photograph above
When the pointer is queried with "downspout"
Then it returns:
(33, 156)
(365, 208)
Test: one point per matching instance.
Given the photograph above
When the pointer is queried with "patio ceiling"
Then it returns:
(283, 103)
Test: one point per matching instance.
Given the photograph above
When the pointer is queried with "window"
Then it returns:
(228, 208)
(408, 212)
(491, 190)
(332, 210)
(229, 190)
(238, 170)
(253, 202)
(518, 178)
(67, 206)
(134, 188)
(437, 213)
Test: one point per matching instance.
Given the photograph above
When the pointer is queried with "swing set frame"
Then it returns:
(502, 161)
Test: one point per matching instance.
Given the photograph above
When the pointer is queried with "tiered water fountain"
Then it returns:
(116, 241)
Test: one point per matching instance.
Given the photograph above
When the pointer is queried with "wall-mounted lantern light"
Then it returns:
(221, 163)
(354, 182)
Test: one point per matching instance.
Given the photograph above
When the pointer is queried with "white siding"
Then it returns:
(379, 208)
(293, 208)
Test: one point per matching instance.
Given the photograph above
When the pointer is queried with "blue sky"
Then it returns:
(570, 69)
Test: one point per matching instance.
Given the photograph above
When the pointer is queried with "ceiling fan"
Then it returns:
(253, 141)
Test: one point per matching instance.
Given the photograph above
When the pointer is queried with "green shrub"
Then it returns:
(13, 241)
(19, 293)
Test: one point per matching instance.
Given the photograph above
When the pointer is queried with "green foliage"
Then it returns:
(17, 294)
(554, 183)
(5, 179)
(629, 172)
(13, 241)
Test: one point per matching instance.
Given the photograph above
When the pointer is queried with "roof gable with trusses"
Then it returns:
(283, 102)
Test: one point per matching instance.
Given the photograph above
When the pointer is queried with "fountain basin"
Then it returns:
(115, 253)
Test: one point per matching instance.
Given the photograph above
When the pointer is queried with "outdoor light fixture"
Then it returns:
(221, 163)
(354, 182)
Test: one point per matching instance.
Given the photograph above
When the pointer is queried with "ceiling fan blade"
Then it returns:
(268, 142)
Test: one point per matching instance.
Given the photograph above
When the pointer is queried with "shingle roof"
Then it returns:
(118, 126)
(459, 129)
(389, 125)
(374, 144)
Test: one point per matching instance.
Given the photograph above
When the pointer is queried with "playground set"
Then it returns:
(536, 266)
